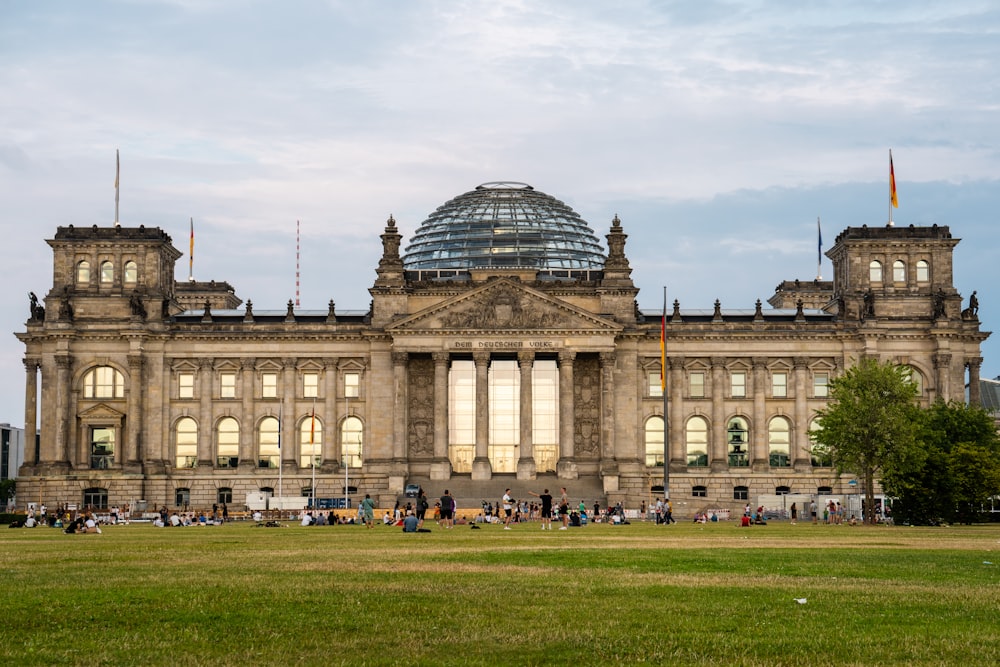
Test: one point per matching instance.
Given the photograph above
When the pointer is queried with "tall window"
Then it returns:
(268, 385)
(227, 436)
(655, 388)
(654, 441)
(185, 385)
(83, 272)
(102, 446)
(696, 442)
(738, 384)
(875, 271)
(696, 384)
(821, 385)
(462, 414)
(779, 385)
(898, 271)
(311, 442)
(186, 442)
(310, 385)
(131, 272)
(227, 385)
(268, 437)
(923, 271)
(351, 441)
(545, 414)
(352, 385)
(738, 442)
(779, 443)
(505, 414)
(103, 382)
(107, 272)
(818, 455)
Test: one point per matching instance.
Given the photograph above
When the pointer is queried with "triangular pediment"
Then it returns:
(101, 412)
(504, 305)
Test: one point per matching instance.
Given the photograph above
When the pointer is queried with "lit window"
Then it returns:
(107, 272)
(898, 272)
(821, 385)
(504, 414)
(102, 447)
(655, 387)
(103, 382)
(462, 414)
(185, 385)
(268, 443)
(83, 272)
(923, 271)
(352, 385)
(351, 435)
(186, 442)
(269, 385)
(654, 441)
(311, 442)
(696, 442)
(310, 385)
(696, 385)
(779, 385)
(875, 271)
(779, 443)
(738, 384)
(227, 385)
(545, 414)
(738, 442)
(227, 437)
(131, 273)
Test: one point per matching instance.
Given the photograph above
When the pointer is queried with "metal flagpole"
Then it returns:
(663, 388)
(312, 446)
(280, 426)
(819, 251)
(117, 173)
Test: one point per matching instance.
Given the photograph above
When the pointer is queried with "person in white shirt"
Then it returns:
(508, 506)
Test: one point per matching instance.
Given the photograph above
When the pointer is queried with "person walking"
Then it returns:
(368, 508)
(508, 506)
(422, 505)
(795, 513)
(546, 510)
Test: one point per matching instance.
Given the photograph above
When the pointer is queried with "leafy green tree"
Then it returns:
(871, 424)
(960, 471)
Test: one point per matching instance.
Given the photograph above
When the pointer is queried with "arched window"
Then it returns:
(107, 272)
(779, 443)
(898, 271)
(696, 442)
(915, 378)
(311, 442)
(83, 272)
(875, 271)
(268, 451)
(186, 442)
(818, 455)
(227, 443)
(654, 441)
(131, 273)
(923, 271)
(351, 441)
(103, 382)
(738, 442)
(96, 498)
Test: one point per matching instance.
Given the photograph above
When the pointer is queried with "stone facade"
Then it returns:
(162, 391)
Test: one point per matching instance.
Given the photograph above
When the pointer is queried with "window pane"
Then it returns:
(310, 385)
(898, 272)
(186, 436)
(779, 443)
(131, 274)
(462, 412)
(228, 443)
(107, 272)
(696, 441)
(268, 452)
(820, 385)
(779, 385)
(352, 385)
(351, 441)
(739, 384)
(185, 385)
(875, 272)
(544, 405)
(738, 442)
(655, 387)
(83, 272)
(696, 382)
(269, 385)
(654, 441)
(923, 272)
(311, 442)
(227, 385)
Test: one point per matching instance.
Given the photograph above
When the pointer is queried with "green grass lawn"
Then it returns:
(684, 594)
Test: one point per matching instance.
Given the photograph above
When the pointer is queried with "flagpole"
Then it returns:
(117, 173)
(191, 254)
(312, 446)
(280, 492)
(663, 390)
(819, 252)
(893, 201)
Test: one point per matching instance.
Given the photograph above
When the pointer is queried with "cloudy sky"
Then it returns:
(717, 131)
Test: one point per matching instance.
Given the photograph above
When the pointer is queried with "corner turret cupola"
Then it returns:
(390, 267)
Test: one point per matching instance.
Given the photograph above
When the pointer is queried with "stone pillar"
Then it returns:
(248, 457)
(675, 403)
(400, 364)
(526, 468)
(718, 450)
(481, 467)
(288, 432)
(31, 366)
(205, 440)
(331, 434)
(63, 407)
(760, 458)
(131, 452)
(973, 363)
(566, 468)
(441, 465)
(607, 361)
(942, 368)
(800, 444)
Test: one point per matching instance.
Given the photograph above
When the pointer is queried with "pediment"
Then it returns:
(101, 412)
(504, 305)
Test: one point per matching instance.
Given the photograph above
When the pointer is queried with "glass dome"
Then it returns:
(504, 225)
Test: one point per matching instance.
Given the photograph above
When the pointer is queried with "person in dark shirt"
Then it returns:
(546, 511)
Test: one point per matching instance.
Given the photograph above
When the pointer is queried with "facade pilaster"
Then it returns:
(800, 429)
(719, 453)
(131, 450)
(481, 468)
(974, 363)
(675, 404)
(608, 445)
(526, 460)
(441, 465)
(566, 467)
(62, 441)
(31, 366)
(759, 453)
(248, 458)
(331, 434)
(942, 369)
(400, 363)
(289, 442)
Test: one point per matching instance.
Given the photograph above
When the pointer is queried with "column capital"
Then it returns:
(718, 362)
(481, 358)
(567, 356)
(288, 363)
(31, 364)
(400, 358)
(64, 361)
(607, 358)
(759, 363)
(136, 362)
(204, 364)
(441, 357)
(800, 363)
(330, 363)
(942, 360)
(248, 363)
(676, 363)
(974, 362)
(526, 357)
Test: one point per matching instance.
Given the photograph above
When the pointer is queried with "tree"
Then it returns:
(871, 424)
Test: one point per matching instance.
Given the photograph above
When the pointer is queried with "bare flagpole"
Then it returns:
(663, 390)
(117, 174)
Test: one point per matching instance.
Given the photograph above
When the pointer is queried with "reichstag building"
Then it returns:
(503, 348)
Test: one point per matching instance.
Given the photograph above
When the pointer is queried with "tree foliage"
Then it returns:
(870, 425)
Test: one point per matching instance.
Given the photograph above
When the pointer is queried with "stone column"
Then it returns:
(800, 428)
(675, 404)
(607, 361)
(248, 457)
(31, 366)
(760, 460)
(481, 467)
(719, 449)
(131, 453)
(63, 408)
(973, 364)
(205, 457)
(441, 465)
(942, 368)
(288, 432)
(526, 468)
(400, 362)
(331, 434)
(566, 468)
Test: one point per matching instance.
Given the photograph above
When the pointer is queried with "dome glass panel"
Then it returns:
(504, 225)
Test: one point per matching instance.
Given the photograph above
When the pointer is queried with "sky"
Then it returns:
(717, 131)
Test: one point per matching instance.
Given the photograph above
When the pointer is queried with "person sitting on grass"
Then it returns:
(410, 523)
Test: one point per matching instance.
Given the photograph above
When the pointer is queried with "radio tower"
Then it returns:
(296, 263)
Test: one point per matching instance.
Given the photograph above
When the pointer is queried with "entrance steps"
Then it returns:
(470, 493)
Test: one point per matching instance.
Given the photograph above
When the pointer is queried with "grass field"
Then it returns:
(686, 594)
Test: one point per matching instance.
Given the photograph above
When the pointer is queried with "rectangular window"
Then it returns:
(655, 388)
(269, 385)
(185, 385)
(821, 385)
(310, 385)
(227, 385)
(352, 385)
(779, 385)
(102, 447)
(738, 384)
(696, 385)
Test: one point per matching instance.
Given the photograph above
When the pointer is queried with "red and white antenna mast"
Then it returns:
(296, 263)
